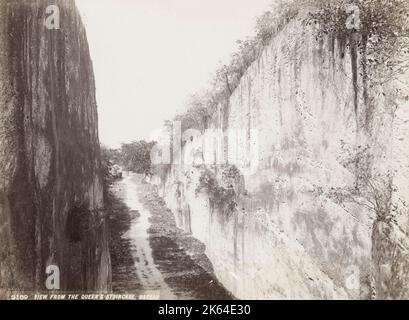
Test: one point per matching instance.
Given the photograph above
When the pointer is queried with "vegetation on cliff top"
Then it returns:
(378, 42)
(383, 38)
(201, 106)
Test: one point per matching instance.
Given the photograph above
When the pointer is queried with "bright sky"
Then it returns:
(149, 55)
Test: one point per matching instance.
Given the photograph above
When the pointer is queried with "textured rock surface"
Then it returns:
(50, 171)
(299, 232)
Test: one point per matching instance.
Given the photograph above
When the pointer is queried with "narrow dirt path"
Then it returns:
(150, 254)
(135, 235)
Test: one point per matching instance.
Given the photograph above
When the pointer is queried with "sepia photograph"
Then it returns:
(191, 150)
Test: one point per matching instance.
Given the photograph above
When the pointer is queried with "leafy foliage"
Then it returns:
(384, 40)
(136, 156)
(108, 158)
(200, 107)
(222, 198)
(372, 189)
(222, 195)
(383, 35)
(231, 176)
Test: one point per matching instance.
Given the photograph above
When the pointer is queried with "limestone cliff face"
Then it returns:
(325, 214)
(50, 170)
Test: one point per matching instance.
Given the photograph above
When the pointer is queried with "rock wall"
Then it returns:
(324, 214)
(50, 170)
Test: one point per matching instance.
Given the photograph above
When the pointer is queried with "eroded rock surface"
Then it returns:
(50, 171)
(324, 214)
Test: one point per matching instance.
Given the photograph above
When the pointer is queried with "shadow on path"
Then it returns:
(124, 276)
(149, 253)
(180, 257)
